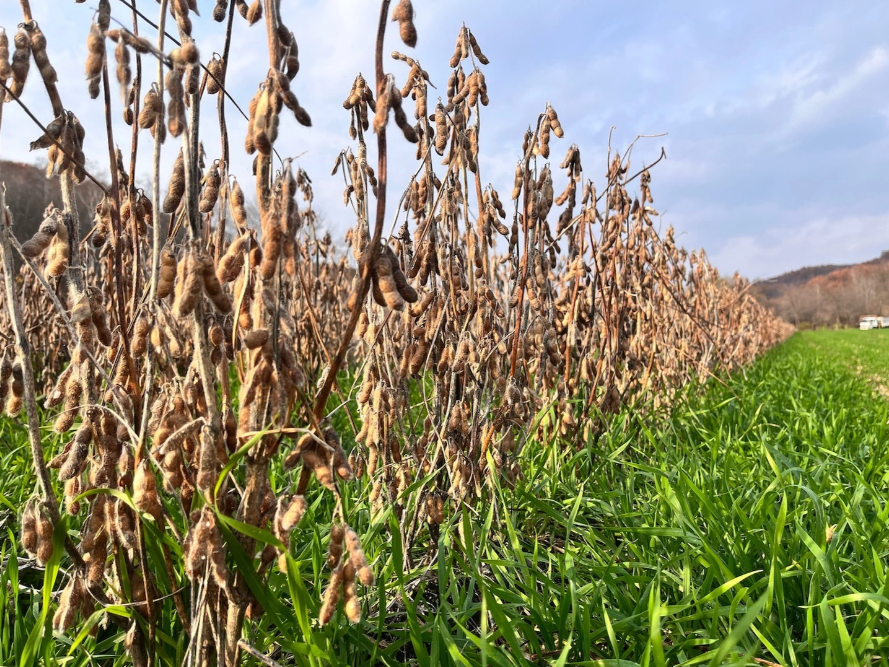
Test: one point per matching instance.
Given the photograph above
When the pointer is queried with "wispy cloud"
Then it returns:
(817, 240)
(823, 104)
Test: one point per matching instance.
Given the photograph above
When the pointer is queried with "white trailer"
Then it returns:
(870, 322)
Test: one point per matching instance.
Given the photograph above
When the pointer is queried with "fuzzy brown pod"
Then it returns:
(145, 496)
(212, 287)
(335, 547)
(99, 317)
(179, 8)
(460, 51)
(189, 284)
(123, 71)
(210, 193)
(42, 238)
(542, 147)
(176, 186)
(204, 549)
(384, 104)
(553, 118)
(122, 35)
(176, 105)
(254, 12)
(383, 287)
(331, 597)
(293, 514)
(291, 59)
(29, 527)
(317, 462)
(351, 605)
(185, 55)
(21, 62)
(44, 528)
(95, 46)
(238, 208)
(256, 338)
(441, 129)
(271, 250)
(192, 81)
(404, 14)
(59, 252)
(291, 102)
(215, 74)
(219, 10)
(232, 262)
(357, 558)
(476, 49)
(75, 600)
(152, 108)
(167, 273)
(402, 122)
(81, 310)
(5, 69)
(75, 462)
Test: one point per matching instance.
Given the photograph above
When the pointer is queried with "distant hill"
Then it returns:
(829, 294)
(773, 288)
(29, 192)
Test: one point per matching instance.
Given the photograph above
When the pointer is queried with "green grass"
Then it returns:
(865, 352)
(695, 538)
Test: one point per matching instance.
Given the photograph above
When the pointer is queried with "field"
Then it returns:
(455, 427)
(750, 524)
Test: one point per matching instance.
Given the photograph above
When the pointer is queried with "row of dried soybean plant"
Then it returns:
(478, 321)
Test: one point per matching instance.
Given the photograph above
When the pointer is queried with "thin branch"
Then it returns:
(375, 248)
(264, 659)
(23, 351)
(55, 141)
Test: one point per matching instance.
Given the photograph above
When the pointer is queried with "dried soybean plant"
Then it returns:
(569, 324)
(146, 391)
(477, 320)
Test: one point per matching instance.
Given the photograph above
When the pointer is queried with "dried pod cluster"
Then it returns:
(63, 138)
(264, 111)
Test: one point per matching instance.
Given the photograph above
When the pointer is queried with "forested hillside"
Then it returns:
(829, 295)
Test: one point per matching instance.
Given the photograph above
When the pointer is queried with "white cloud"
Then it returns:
(826, 239)
(813, 107)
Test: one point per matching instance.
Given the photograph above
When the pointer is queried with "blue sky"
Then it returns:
(776, 112)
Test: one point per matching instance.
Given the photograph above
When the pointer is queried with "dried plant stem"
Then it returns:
(375, 247)
(523, 269)
(51, 88)
(23, 351)
(120, 292)
(157, 238)
(573, 309)
(60, 310)
(76, 282)
(223, 133)
(131, 185)
(190, 148)
(264, 659)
